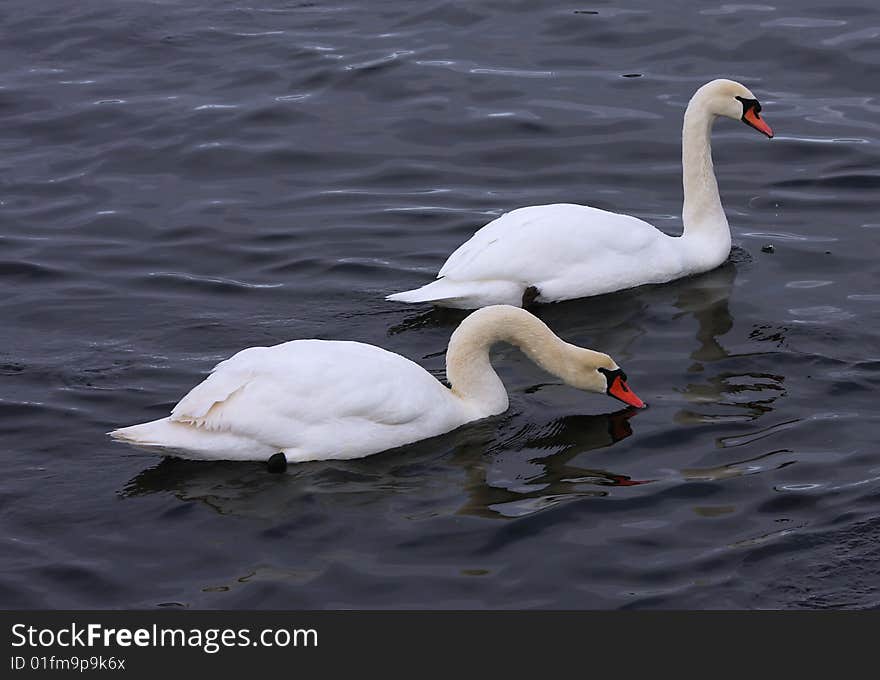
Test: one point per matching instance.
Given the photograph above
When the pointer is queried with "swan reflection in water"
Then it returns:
(536, 467)
(750, 392)
(719, 384)
(423, 469)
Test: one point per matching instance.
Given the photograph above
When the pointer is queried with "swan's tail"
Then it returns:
(463, 294)
(145, 434)
(170, 437)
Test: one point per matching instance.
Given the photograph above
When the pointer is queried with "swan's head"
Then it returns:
(597, 372)
(734, 100)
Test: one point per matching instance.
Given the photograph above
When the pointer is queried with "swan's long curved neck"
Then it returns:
(702, 215)
(469, 368)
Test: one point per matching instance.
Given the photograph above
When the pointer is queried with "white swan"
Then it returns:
(549, 253)
(321, 400)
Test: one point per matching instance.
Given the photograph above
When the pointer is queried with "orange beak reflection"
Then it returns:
(620, 390)
(750, 117)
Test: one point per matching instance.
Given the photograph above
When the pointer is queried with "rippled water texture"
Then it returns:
(183, 179)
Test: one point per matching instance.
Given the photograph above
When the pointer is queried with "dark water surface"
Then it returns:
(179, 180)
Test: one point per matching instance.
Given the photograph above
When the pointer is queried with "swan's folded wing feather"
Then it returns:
(535, 243)
(225, 379)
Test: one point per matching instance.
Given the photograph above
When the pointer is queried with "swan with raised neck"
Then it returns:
(562, 251)
(706, 232)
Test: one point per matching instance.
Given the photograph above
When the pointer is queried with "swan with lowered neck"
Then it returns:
(550, 253)
(322, 400)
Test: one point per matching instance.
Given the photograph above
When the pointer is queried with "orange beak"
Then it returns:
(752, 118)
(620, 390)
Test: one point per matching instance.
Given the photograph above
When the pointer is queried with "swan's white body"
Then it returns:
(567, 251)
(318, 399)
(308, 398)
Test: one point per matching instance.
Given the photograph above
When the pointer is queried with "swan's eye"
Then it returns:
(751, 116)
(611, 375)
(749, 104)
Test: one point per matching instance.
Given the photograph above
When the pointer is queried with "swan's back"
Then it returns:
(537, 243)
(311, 399)
(309, 381)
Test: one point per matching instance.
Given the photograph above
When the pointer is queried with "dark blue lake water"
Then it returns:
(179, 180)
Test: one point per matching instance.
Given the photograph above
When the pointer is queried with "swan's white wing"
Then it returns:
(540, 243)
(315, 393)
(566, 251)
(226, 378)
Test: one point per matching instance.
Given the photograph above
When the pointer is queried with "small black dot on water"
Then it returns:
(585, 11)
(767, 248)
(632, 75)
